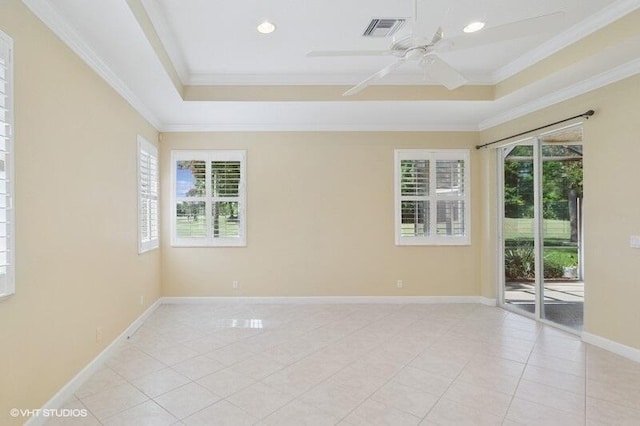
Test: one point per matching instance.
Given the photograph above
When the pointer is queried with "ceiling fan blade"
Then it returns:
(322, 53)
(443, 73)
(514, 30)
(439, 35)
(424, 28)
(373, 78)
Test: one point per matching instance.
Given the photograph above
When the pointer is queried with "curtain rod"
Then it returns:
(584, 114)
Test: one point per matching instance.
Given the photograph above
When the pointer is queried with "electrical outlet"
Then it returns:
(99, 335)
(235, 284)
(635, 241)
(399, 283)
(141, 300)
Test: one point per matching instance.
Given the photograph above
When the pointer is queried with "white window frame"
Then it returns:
(6, 54)
(433, 155)
(208, 156)
(146, 241)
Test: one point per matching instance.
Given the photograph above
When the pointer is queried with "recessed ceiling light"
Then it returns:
(266, 27)
(473, 27)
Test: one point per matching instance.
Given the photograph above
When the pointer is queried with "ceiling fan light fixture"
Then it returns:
(266, 27)
(473, 27)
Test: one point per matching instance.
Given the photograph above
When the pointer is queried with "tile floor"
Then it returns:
(245, 364)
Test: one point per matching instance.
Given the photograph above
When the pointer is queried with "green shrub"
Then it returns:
(553, 269)
(519, 262)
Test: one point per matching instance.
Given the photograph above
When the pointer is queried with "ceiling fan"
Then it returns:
(422, 48)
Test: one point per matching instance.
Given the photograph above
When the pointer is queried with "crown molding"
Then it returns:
(167, 38)
(405, 79)
(600, 80)
(44, 10)
(309, 127)
(582, 29)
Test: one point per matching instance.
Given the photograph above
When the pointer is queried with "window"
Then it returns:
(7, 226)
(208, 198)
(147, 196)
(432, 197)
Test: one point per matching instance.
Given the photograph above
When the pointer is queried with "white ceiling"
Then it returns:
(214, 41)
(218, 41)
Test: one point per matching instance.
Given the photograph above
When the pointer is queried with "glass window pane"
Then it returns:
(450, 218)
(226, 220)
(415, 219)
(414, 177)
(225, 178)
(190, 219)
(450, 177)
(190, 178)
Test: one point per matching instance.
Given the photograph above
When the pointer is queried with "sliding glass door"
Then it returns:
(518, 226)
(542, 245)
(562, 194)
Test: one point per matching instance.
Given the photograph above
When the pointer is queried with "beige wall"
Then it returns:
(77, 262)
(611, 205)
(320, 217)
(320, 221)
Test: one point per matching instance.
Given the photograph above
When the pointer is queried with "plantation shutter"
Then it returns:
(148, 196)
(225, 191)
(208, 198)
(7, 238)
(432, 197)
(450, 194)
(415, 190)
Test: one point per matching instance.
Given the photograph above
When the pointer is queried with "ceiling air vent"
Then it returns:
(383, 27)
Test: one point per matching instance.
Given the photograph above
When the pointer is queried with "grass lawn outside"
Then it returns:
(190, 228)
(515, 229)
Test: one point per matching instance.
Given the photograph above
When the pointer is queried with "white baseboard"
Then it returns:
(488, 302)
(330, 299)
(78, 380)
(611, 346)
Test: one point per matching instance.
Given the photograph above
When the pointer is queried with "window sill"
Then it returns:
(434, 243)
(5, 296)
(147, 250)
(209, 244)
